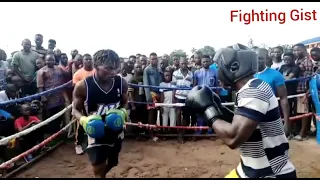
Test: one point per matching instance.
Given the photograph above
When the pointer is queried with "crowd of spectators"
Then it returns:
(35, 69)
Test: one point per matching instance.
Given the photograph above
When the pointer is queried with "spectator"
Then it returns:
(182, 78)
(139, 112)
(74, 52)
(276, 55)
(24, 122)
(64, 62)
(133, 59)
(130, 67)
(57, 55)
(138, 56)
(144, 61)
(38, 39)
(9, 75)
(167, 97)
(197, 61)
(163, 65)
(176, 63)
(81, 74)
(18, 83)
(48, 78)
(208, 77)
(152, 77)
(24, 65)
(315, 57)
(84, 72)
(6, 129)
(303, 104)
(40, 63)
(52, 44)
(10, 59)
(125, 72)
(76, 63)
(6, 123)
(290, 71)
(3, 68)
(275, 79)
(9, 93)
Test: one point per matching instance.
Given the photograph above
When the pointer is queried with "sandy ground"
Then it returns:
(201, 159)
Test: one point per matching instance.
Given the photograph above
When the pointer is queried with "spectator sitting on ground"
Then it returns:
(24, 122)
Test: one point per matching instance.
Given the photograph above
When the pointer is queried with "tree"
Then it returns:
(179, 53)
(286, 47)
(193, 50)
(209, 50)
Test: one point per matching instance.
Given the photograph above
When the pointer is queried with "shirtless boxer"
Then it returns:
(94, 98)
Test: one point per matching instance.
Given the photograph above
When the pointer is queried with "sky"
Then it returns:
(145, 27)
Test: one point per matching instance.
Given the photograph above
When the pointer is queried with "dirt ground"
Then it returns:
(201, 159)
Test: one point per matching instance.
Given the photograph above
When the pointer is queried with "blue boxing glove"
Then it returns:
(93, 126)
(115, 119)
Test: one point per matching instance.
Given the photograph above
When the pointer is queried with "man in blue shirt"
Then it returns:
(277, 82)
(205, 76)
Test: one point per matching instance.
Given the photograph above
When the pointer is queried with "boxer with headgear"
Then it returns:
(256, 126)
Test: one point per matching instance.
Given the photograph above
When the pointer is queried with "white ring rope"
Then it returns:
(224, 104)
(5, 140)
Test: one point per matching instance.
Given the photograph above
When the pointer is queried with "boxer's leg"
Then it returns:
(98, 156)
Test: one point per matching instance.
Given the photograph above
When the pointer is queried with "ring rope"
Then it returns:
(5, 140)
(36, 147)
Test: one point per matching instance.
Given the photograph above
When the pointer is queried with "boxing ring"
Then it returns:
(68, 127)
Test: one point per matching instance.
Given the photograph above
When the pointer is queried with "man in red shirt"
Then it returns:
(24, 122)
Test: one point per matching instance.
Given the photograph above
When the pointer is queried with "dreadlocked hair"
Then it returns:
(103, 57)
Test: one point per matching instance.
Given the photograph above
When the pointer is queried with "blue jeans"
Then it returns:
(202, 122)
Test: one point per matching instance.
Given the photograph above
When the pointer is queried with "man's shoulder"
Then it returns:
(257, 85)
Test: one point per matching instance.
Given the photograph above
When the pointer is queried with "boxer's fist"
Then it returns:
(205, 102)
(93, 125)
(116, 118)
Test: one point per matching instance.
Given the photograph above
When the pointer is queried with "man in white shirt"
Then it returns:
(276, 55)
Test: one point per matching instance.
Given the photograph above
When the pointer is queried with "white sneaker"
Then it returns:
(79, 150)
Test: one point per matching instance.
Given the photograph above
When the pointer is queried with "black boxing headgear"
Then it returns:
(235, 64)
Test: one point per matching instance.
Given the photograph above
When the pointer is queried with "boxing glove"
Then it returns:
(227, 114)
(93, 126)
(116, 118)
(203, 101)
